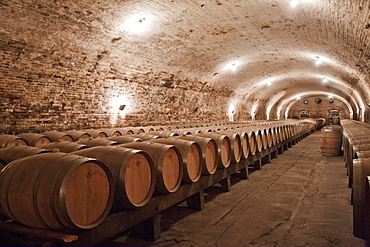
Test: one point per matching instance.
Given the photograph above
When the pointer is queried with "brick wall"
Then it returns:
(60, 69)
(51, 92)
(321, 110)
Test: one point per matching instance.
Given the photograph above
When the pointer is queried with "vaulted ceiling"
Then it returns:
(270, 52)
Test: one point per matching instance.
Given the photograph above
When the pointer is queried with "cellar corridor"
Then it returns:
(299, 199)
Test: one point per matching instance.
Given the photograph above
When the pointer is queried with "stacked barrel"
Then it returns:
(356, 148)
(73, 179)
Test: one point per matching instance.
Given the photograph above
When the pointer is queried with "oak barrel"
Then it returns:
(124, 139)
(244, 142)
(99, 134)
(126, 131)
(331, 140)
(56, 136)
(78, 135)
(11, 140)
(236, 145)
(252, 141)
(132, 171)
(165, 133)
(111, 132)
(10, 154)
(209, 152)
(224, 148)
(264, 138)
(56, 191)
(167, 163)
(255, 139)
(98, 142)
(367, 209)
(35, 140)
(146, 136)
(361, 169)
(191, 154)
(65, 147)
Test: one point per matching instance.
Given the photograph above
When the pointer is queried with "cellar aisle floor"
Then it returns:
(299, 199)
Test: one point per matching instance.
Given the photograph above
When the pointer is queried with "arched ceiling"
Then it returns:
(267, 51)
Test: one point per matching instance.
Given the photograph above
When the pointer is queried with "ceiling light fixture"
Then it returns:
(318, 61)
(137, 23)
(294, 3)
(233, 66)
(268, 81)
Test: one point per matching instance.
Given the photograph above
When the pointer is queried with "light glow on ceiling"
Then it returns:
(267, 81)
(137, 23)
(294, 3)
(231, 112)
(254, 110)
(233, 66)
(272, 102)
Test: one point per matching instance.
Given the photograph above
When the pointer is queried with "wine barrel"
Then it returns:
(138, 130)
(367, 209)
(257, 138)
(98, 142)
(183, 131)
(124, 139)
(236, 145)
(165, 134)
(252, 142)
(56, 136)
(191, 154)
(146, 136)
(244, 141)
(270, 138)
(132, 171)
(331, 140)
(359, 148)
(148, 129)
(224, 148)
(282, 134)
(56, 191)
(264, 138)
(275, 138)
(202, 130)
(126, 131)
(65, 147)
(354, 142)
(209, 152)
(167, 162)
(11, 140)
(363, 154)
(111, 132)
(99, 134)
(361, 169)
(10, 154)
(78, 135)
(35, 140)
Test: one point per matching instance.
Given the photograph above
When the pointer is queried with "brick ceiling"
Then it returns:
(279, 48)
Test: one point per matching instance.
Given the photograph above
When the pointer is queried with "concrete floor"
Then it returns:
(299, 199)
